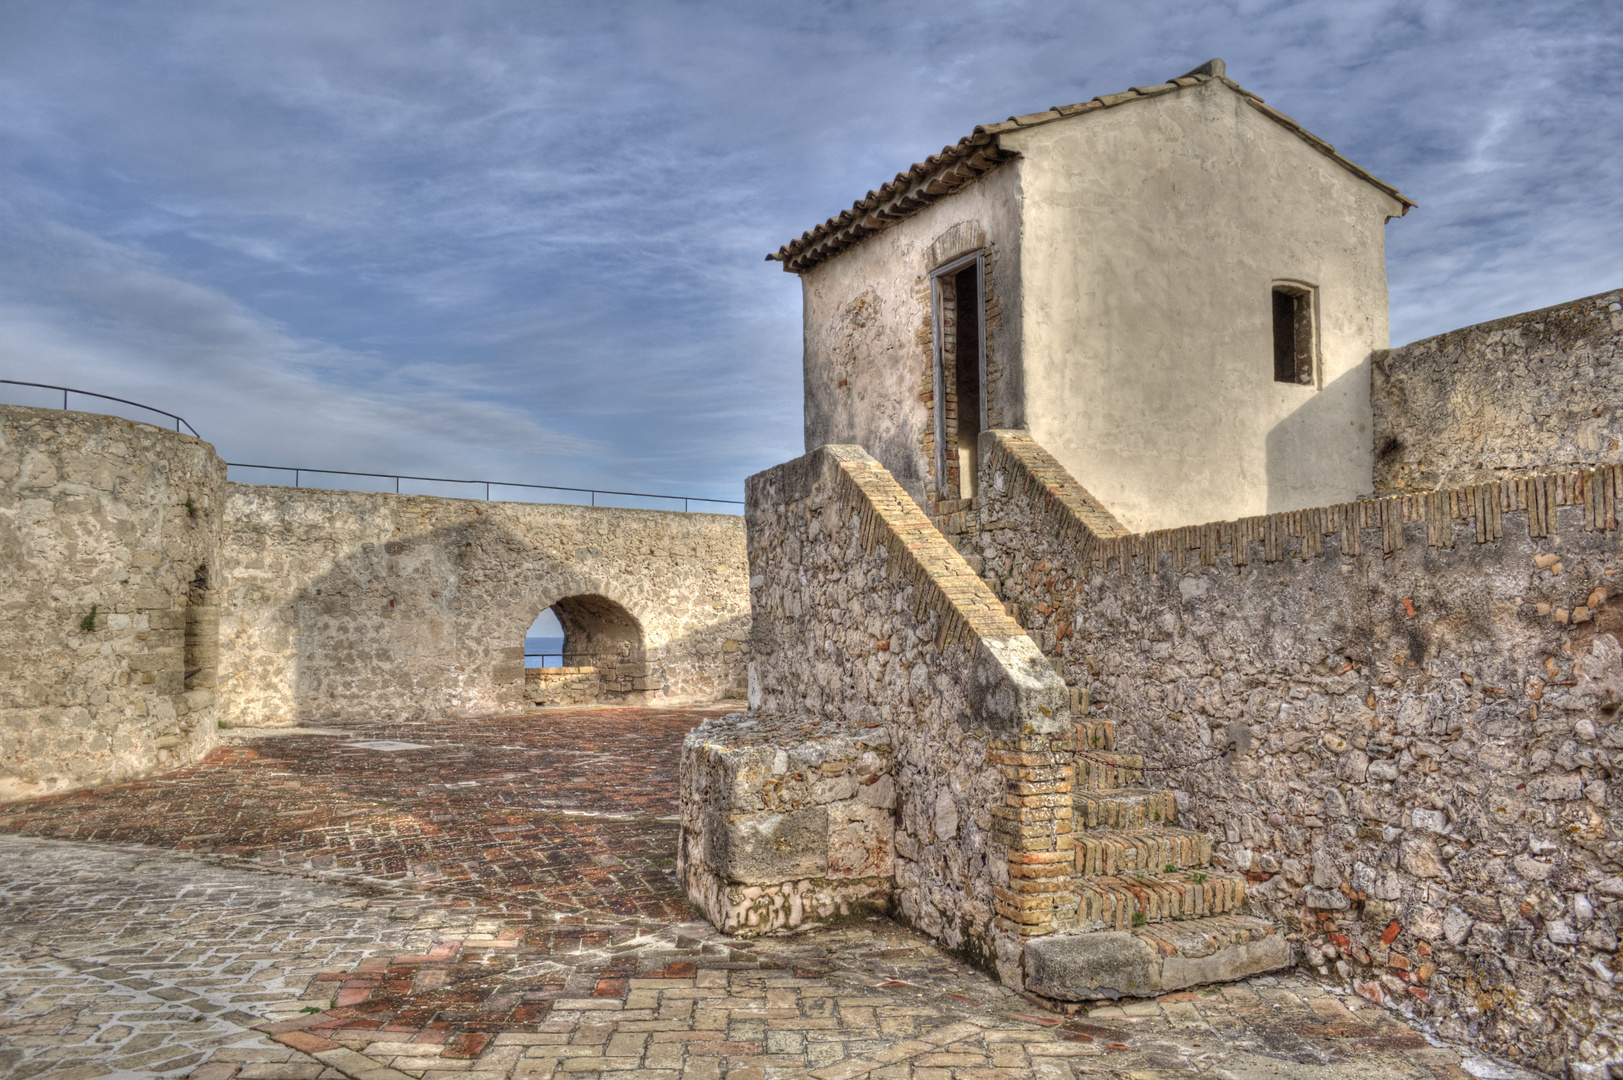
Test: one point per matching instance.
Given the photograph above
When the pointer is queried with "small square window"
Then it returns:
(1295, 337)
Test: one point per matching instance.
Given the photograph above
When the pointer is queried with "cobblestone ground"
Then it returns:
(501, 904)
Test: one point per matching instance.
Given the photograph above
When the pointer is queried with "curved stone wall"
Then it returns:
(144, 601)
(109, 564)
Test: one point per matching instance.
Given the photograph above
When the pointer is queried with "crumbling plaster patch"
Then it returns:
(868, 364)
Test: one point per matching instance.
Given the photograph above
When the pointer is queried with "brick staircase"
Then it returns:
(1153, 914)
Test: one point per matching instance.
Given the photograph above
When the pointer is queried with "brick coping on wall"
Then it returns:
(1017, 735)
(1478, 509)
(940, 577)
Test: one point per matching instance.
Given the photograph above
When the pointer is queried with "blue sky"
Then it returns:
(525, 240)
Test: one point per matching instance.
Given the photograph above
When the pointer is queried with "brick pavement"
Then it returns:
(560, 811)
(501, 906)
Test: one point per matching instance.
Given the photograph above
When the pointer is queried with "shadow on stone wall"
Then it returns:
(423, 610)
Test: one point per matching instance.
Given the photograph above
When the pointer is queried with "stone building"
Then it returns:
(1175, 289)
(1137, 618)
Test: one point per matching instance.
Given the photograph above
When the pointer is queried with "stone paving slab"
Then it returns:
(227, 946)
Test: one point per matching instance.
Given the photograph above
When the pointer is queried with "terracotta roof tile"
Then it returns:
(978, 153)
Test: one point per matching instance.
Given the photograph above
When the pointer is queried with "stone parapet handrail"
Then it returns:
(967, 607)
(863, 612)
(1026, 468)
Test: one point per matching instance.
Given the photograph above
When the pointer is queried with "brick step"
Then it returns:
(1153, 960)
(1106, 852)
(1095, 734)
(1122, 808)
(1097, 769)
(1116, 903)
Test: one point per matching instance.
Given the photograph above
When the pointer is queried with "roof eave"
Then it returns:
(981, 151)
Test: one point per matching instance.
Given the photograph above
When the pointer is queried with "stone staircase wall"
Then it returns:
(1423, 694)
(865, 620)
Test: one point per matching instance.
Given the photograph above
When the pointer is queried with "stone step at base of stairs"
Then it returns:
(1122, 808)
(1122, 902)
(1107, 769)
(1153, 960)
(1151, 850)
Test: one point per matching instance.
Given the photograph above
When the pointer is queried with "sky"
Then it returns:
(524, 240)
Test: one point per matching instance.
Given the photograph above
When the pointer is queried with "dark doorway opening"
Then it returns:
(969, 373)
(958, 302)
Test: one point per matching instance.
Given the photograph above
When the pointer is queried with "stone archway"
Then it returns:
(605, 655)
(601, 634)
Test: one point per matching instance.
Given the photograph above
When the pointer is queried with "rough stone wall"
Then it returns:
(343, 603)
(561, 686)
(865, 617)
(1423, 692)
(104, 526)
(1541, 390)
(786, 819)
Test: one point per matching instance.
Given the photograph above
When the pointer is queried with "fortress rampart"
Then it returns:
(109, 595)
(1539, 390)
(1423, 692)
(147, 601)
(340, 603)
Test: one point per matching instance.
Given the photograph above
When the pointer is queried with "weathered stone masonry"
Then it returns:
(341, 603)
(885, 675)
(1540, 390)
(146, 600)
(109, 585)
(1423, 690)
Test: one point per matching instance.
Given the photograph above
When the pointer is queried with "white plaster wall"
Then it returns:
(867, 319)
(1153, 232)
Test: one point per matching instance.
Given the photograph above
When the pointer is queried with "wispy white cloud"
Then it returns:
(527, 238)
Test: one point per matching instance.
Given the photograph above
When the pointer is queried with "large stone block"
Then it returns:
(766, 848)
(1116, 963)
(1226, 964)
(1107, 964)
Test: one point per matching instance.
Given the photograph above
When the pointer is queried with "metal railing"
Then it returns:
(562, 657)
(298, 472)
(488, 484)
(66, 390)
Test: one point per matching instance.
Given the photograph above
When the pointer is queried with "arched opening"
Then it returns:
(586, 648)
(544, 642)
